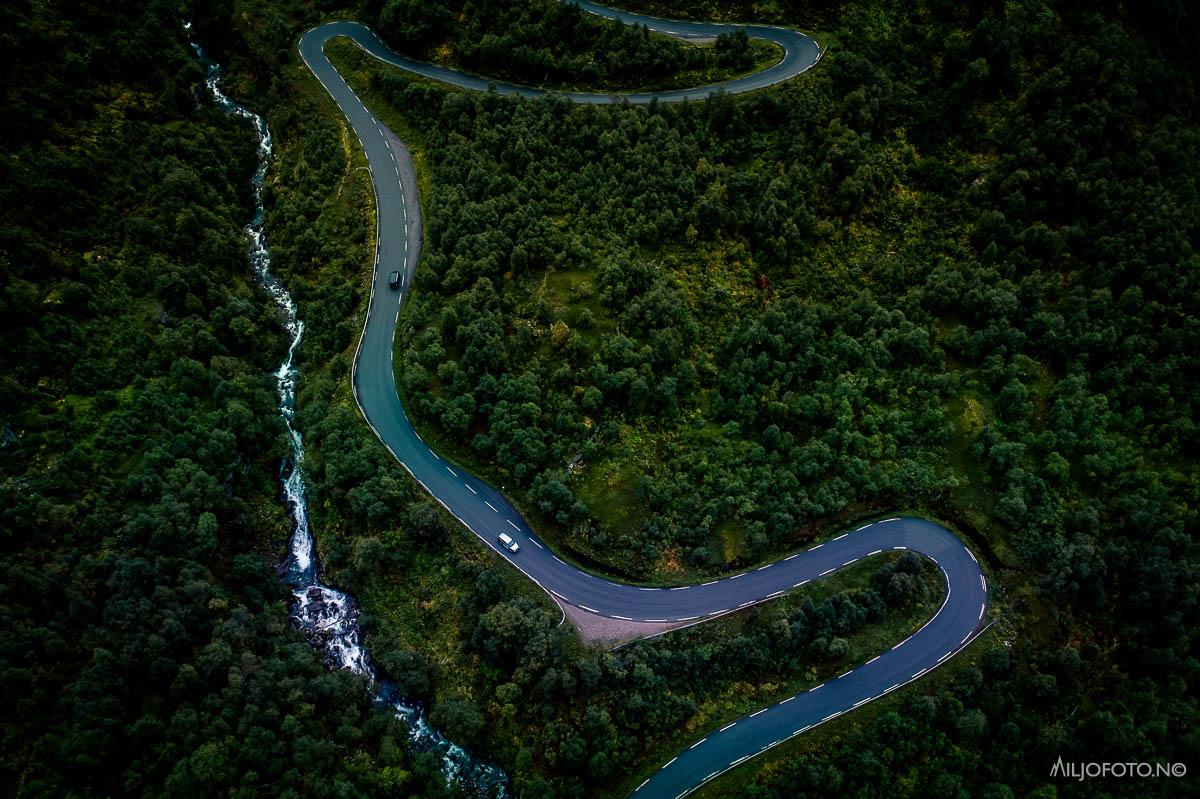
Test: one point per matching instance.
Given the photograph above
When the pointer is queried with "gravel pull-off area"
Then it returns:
(594, 628)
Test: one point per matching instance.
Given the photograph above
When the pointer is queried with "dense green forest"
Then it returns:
(145, 648)
(951, 270)
(545, 42)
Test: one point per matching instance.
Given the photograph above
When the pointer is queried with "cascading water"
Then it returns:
(328, 617)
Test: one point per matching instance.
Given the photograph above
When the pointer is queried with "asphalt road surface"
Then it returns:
(484, 511)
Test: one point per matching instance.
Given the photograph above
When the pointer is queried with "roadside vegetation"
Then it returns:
(950, 271)
(553, 44)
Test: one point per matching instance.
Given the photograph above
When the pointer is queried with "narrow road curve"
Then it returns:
(484, 511)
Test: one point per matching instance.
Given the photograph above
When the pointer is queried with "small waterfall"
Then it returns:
(328, 617)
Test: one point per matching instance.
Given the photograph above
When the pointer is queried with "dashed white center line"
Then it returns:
(451, 471)
(757, 712)
(535, 543)
(510, 524)
(590, 610)
(827, 571)
(802, 582)
(473, 491)
(693, 746)
(847, 563)
(490, 505)
(876, 552)
(840, 537)
(728, 727)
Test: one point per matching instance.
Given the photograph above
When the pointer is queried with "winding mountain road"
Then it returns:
(484, 511)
